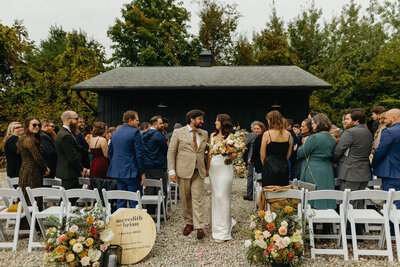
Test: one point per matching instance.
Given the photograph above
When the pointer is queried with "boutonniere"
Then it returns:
(199, 132)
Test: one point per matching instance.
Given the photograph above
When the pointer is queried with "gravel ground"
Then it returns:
(174, 249)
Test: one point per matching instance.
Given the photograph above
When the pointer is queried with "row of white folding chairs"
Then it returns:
(348, 213)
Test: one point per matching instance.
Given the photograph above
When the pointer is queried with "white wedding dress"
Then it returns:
(221, 179)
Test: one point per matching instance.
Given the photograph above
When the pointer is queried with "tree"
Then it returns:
(217, 27)
(271, 46)
(153, 33)
(243, 52)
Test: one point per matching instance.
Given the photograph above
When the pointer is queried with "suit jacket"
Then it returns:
(69, 164)
(49, 153)
(126, 153)
(352, 154)
(155, 149)
(255, 157)
(181, 154)
(250, 138)
(83, 147)
(386, 162)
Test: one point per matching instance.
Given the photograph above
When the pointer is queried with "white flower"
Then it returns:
(94, 254)
(51, 231)
(77, 248)
(253, 225)
(247, 243)
(100, 223)
(261, 243)
(269, 217)
(215, 147)
(284, 224)
(85, 261)
(281, 243)
(230, 142)
(253, 217)
(107, 235)
(287, 239)
(266, 234)
(73, 228)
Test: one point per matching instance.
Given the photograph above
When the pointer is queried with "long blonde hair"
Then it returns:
(10, 131)
(381, 124)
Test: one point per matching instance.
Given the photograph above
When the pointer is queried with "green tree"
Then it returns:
(243, 52)
(271, 46)
(218, 24)
(153, 33)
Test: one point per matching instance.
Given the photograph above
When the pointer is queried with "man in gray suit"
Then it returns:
(250, 138)
(352, 154)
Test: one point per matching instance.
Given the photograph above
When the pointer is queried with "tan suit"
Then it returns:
(190, 168)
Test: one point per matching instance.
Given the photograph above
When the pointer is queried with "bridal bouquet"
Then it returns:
(80, 240)
(275, 237)
(235, 144)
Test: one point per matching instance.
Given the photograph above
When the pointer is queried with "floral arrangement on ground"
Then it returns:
(79, 240)
(275, 237)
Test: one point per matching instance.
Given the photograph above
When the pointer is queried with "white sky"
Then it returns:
(96, 16)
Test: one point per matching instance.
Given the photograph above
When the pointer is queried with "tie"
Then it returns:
(194, 140)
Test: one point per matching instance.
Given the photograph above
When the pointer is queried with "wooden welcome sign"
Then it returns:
(134, 230)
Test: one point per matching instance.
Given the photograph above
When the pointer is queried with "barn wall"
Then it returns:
(243, 106)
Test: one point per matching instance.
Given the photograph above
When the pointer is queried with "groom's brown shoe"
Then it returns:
(200, 234)
(188, 229)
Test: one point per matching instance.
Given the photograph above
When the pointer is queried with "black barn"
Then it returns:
(246, 93)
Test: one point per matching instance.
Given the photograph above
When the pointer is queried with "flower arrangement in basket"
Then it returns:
(275, 237)
(79, 240)
(235, 144)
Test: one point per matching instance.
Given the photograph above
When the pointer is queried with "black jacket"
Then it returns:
(83, 147)
(13, 157)
(255, 158)
(49, 153)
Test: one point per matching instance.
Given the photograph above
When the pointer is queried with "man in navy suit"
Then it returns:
(126, 153)
(386, 162)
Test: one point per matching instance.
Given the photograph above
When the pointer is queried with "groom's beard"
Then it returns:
(198, 125)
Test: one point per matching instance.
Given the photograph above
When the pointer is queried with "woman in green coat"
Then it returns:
(317, 167)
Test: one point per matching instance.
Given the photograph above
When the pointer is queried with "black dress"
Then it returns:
(13, 157)
(276, 169)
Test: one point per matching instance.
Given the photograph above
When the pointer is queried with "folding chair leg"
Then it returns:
(354, 239)
(158, 217)
(397, 235)
(16, 232)
(164, 211)
(344, 239)
(31, 232)
(388, 240)
(312, 245)
(382, 237)
(2, 234)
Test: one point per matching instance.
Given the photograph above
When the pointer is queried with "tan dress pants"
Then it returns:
(191, 193)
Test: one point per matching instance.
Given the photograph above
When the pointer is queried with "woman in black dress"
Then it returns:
(276, 148)
(13, 157)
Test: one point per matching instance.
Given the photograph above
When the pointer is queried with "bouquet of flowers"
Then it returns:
(275, 237)
(235, 144)
(239, 166)
(79, 240)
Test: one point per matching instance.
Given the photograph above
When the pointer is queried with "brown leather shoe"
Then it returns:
(200, 234)
(188, 229)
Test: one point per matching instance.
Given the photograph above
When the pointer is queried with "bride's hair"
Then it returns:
(226, 125)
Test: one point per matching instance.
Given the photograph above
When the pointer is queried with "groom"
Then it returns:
(186, 165)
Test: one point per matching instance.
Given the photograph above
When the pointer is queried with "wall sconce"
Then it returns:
(161, 105)
(276, 105)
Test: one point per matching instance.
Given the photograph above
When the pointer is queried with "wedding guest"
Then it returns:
(317, 167)
(155, 157)
(386, 162)
(249, 142)
(13, 157)
(165, 125)
(336, 134)
(144, 126)
(33, 167)
(87, 132)
(100, 163)
(305, 131)
(352, 154)
(276, 147)
(375, 115)
(259, 129)
(378, 133)
(312, 114)
(126, 153)
(177, 125)
(83, 146)
(296, 129)
(49, 153)
(109, 133)
(69, 164)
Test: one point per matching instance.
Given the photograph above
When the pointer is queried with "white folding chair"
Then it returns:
(86, 196)
(328, 216)
(6, 193)
(376, 184)
(53, 183)
(370, 216)
(84, 182)
(394, 216)
(291, 193)
(120, 194)
(57, 211)
(256, 187)
(12, 181)
(172, 191)
(158, 199)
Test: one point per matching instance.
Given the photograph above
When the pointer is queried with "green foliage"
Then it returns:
(243, 52)
(217, 27)
(153, 33)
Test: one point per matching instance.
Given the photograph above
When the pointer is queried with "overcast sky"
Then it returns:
(96, 16)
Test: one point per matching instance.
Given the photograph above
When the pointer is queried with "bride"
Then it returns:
(221, 179)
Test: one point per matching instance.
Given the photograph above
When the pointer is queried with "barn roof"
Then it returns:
(221, 77)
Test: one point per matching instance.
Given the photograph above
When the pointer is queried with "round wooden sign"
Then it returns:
(134, 230)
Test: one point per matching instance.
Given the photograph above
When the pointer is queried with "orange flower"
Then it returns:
(296, 244)
(282, 230)
(60, 249)
(60, 259)
(261, 213)
(89, 220)
(291, 254)
(272, 247)
(62, 238)
(271, 226)
(288, 209)
(82, 254)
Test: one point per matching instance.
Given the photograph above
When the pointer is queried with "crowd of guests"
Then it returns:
(317, 152)
(111, 157)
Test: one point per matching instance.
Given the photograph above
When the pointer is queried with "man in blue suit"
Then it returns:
(126, 153)
(386, 162)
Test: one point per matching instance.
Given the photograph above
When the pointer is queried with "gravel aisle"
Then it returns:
(174, 249)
